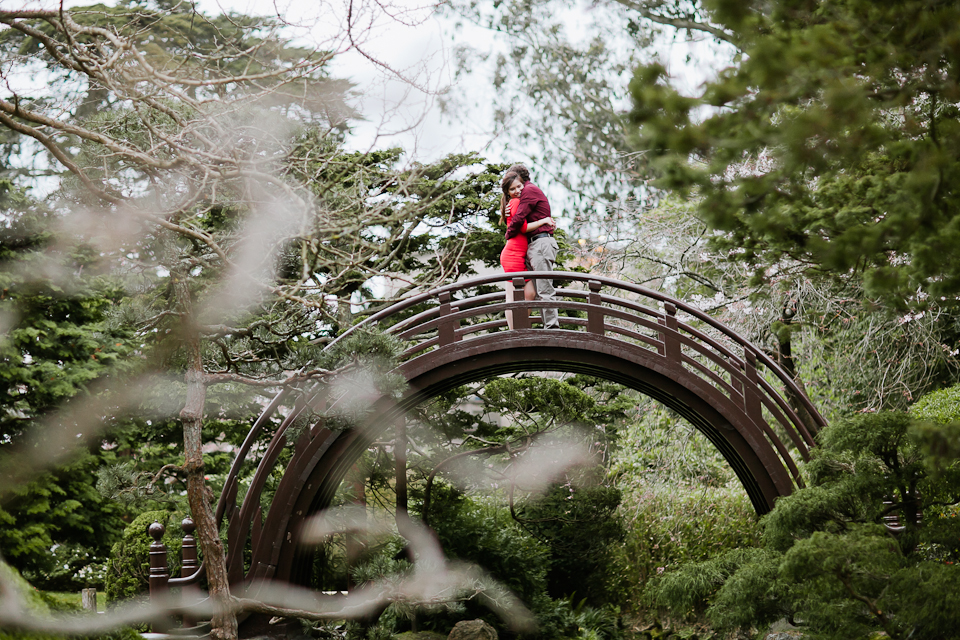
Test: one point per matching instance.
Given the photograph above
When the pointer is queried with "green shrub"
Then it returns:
(581, 527)
(681, 501)
(668, 527)
(941, 406)
(830, 563)
(37, 605)
(11, 579)
(128, 570)
(565, 618)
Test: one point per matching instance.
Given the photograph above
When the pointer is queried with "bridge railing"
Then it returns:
(680, 334)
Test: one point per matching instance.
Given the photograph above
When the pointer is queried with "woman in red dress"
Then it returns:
(514, 255)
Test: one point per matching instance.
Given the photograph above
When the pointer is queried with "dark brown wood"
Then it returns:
(188, 553)
(188, 550)
(698, 367)
(595, 313)
(751, 397)
(447, 328)
(521, 316)
(159, 574)
(158, 561)
(671, 337)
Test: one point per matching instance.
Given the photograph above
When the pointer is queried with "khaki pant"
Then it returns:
(542, 254)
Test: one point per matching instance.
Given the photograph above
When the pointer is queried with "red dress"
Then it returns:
(514, 255)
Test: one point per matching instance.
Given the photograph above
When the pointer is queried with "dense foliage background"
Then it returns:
(183, 229)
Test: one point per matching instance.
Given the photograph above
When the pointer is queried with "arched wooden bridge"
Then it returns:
(727, 388)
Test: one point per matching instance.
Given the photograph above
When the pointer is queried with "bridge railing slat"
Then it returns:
(733, 393)
(595, 315)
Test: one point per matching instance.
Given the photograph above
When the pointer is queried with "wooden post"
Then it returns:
(595, 313)
(159, 575)
(751, 393)
(447, 328)
(521, 317)
(189, 549)
(189, 594)
(88, 600)
(158, 560)
(671, 341)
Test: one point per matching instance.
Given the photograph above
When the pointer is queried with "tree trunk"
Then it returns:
(400, 453)
(785, 357)
(355, 543)
(224, 623)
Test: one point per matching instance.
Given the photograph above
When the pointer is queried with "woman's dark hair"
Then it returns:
(505, 196)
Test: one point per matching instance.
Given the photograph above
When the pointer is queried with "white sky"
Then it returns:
(401, 63)
(401, 109)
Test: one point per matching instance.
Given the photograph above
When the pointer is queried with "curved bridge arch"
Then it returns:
(726, 387)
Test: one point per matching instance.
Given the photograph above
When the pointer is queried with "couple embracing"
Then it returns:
(530, 245)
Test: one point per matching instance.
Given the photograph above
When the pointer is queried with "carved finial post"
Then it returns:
(189, 549)
(158, 560)
(159, 575)
(189, 566)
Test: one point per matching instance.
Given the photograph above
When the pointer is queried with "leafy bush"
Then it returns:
(471, 530)
(669, 527)
(577, 620)
(38, 604)
(832, 561)
(128, 570)
(581, 528)
(941, 406)
(681, 501)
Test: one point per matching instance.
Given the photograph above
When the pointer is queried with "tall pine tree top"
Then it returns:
(832, 140)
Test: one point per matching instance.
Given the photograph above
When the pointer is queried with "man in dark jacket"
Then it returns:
(542, 252)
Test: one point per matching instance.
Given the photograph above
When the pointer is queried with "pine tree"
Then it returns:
(831, 141)
(58, 343)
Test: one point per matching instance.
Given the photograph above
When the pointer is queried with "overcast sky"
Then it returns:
(401, 61)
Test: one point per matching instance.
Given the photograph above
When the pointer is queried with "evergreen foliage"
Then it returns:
(830, 141)
(59, 341)
(471, 529)
(682, 504)
(38, 603)
(581, 527)
(870, 546)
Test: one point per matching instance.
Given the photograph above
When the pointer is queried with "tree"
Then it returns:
(829, 142)
(571, 510)
(202, 159)
(58, 343)
(559, 92)
(870, 545)
(866, 353)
